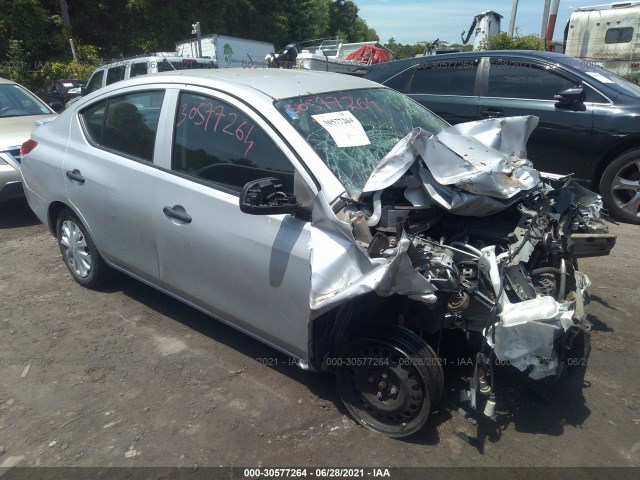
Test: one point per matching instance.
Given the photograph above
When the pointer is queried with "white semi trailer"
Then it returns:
(228, 52)
(607, 36)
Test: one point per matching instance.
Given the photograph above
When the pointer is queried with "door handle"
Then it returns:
(172, 212)
(492, 112)
(75, 175)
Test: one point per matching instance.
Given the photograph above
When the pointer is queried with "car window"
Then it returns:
(96, 81)
(591, 96)
(619, 35)
(16, 101)
(139, 68)
(126, 123)
(353, 130)
(216, 141)
(445, 77)
(402, 81)
(115, 74)
(521, 78)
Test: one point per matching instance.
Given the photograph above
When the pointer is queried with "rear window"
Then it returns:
(126, 124)
(445, 77)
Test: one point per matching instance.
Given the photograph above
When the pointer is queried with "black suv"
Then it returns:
(589, 117)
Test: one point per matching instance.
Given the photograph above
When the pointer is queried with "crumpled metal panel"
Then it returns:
(526, 331)
(341, 269)
(474, 169)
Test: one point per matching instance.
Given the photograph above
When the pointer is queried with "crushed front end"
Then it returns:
(481, 244)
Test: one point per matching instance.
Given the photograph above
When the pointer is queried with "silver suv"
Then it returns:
(125, 68)
(19, 111)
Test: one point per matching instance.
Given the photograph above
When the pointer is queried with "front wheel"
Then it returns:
(620, 187)
(389, 383)
(79, 252)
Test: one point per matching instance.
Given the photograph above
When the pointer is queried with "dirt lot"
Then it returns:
(128, 376)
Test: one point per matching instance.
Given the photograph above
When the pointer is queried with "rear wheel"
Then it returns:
(620, 187)
(389, 383)
(79, 252)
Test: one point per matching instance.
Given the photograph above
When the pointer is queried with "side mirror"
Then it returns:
(83, 91)
(571, 97)
(266, 197)
(56, 105)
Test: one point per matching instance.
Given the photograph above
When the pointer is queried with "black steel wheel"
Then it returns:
(386, 383)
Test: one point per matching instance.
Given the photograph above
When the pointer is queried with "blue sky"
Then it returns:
(410, 21)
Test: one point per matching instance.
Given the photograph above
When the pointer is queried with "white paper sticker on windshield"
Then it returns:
(600, 77)
(344, 128)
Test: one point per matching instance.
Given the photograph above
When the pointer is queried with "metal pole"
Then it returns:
(73, 50)
(552, 24)
(199, 36)
(67, 26)
(512, 23)
(545, 18)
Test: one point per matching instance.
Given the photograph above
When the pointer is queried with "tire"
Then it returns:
(80, 253)
(387, 383)
(620, 187)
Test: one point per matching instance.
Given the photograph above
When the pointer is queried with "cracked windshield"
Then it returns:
(352, 131)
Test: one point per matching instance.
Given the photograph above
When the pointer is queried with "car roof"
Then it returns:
(158, 58)
(539, 54)
(275, 83)
(4, 80)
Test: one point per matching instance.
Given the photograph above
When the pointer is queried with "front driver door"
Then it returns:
(521, 86)
(251, 271)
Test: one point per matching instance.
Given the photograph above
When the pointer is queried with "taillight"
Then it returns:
(27, 147)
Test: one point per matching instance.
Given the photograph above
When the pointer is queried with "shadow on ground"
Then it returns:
(15, 214)
(539, 407)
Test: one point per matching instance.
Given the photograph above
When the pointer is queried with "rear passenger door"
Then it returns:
(110, 175)
(522, 86)
(447, 87)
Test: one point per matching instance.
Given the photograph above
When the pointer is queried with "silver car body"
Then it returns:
(223, 257)
(280, 277)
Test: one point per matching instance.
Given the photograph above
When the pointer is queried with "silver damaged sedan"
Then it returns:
(332, 218)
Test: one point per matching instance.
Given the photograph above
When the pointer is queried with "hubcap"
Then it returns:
(76, 251)
(626, 188)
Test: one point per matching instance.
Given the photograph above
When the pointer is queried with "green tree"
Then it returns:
(502, 41)
(343, 18)
(404, 51)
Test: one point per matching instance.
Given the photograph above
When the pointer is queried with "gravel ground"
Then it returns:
(128, 376)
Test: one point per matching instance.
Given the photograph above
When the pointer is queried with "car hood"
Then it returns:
(14, 131)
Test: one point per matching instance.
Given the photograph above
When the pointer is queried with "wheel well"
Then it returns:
(361, 317)
(54, 212)
(628, 144)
